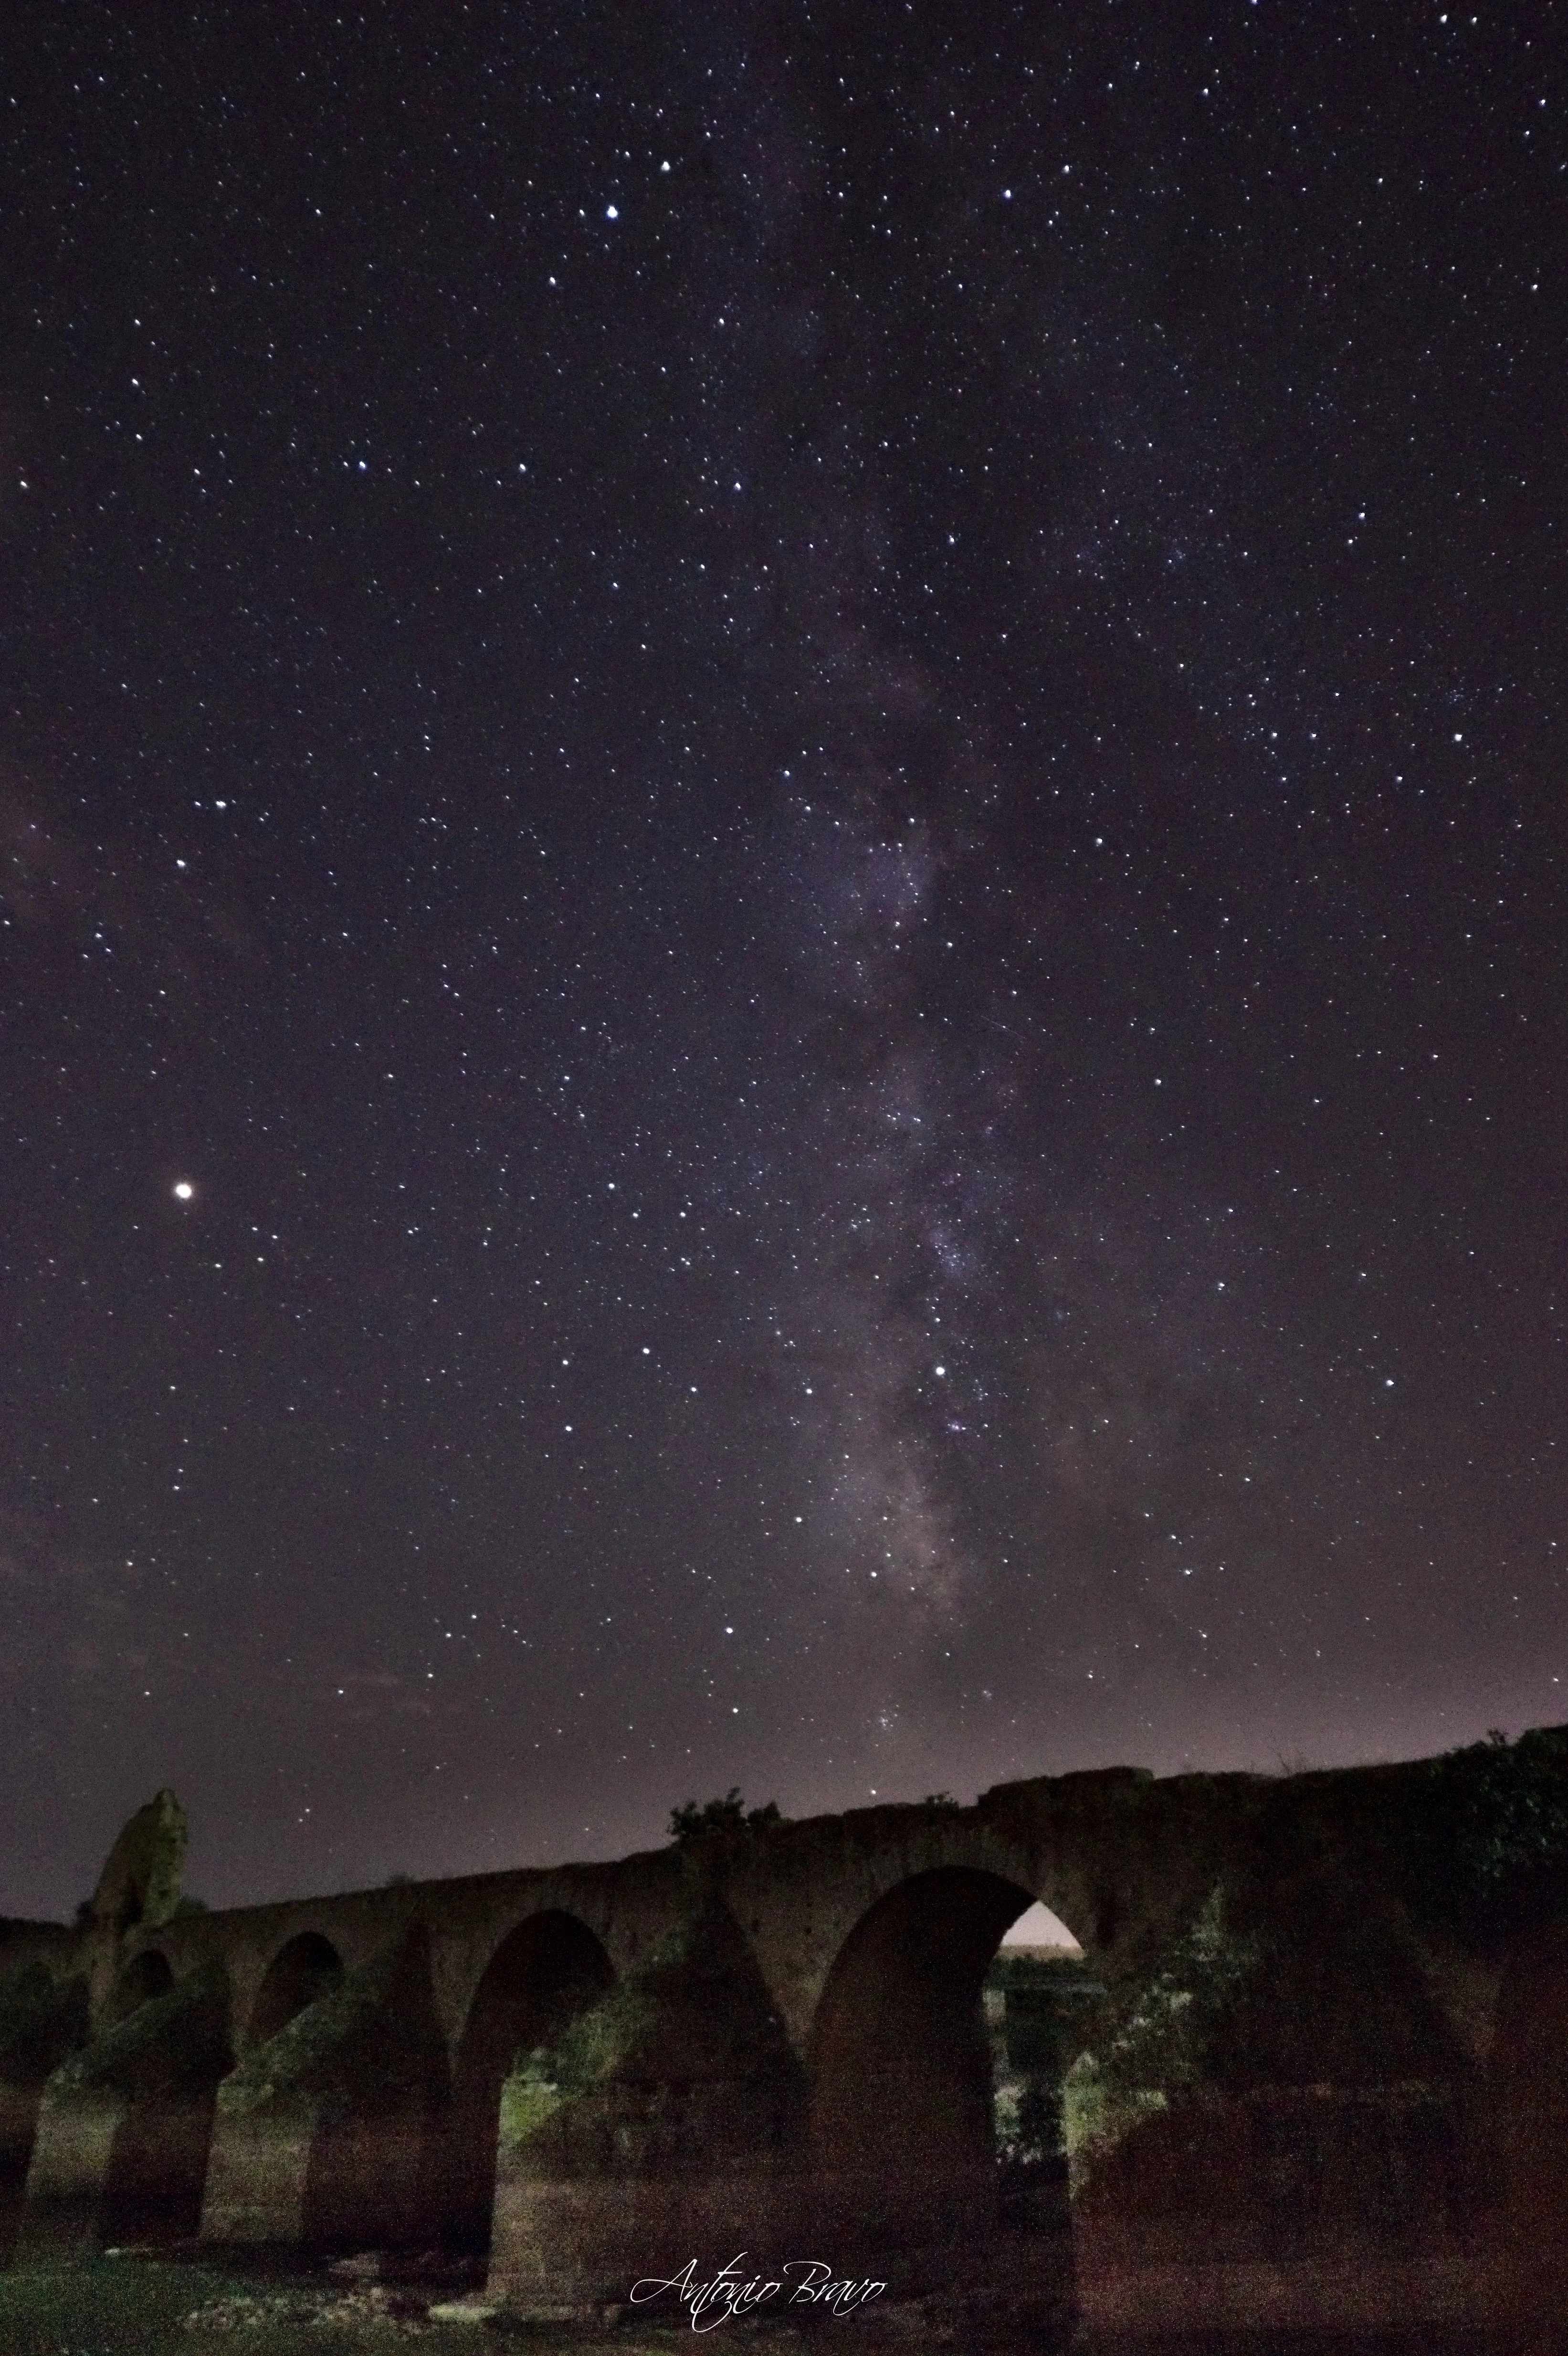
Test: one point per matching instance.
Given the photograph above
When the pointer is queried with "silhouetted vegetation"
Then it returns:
(1038, 2012)
(724, 1818)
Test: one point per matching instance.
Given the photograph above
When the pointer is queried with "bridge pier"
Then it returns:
(65, 2202)
(327, 2133)
(109, 2168)
(258, 2173)
(42, 2020)
(120, 2147)
(19, 2106)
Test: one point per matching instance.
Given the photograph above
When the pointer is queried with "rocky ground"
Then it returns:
(148, 2302)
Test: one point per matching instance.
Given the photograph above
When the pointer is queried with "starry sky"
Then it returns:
(781, 833)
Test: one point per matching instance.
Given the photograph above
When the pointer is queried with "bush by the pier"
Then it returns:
(683, 2061)
(588, 2052)
(1158, 2042)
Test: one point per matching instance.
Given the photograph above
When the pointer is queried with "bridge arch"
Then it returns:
(900, 2065)
(548, 1968)
(304, 1969)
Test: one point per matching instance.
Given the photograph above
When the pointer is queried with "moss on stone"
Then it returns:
(358, 2040)
(176, 2041)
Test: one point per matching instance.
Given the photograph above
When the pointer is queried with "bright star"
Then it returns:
(183, 1190)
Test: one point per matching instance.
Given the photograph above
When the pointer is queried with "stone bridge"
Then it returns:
(1301, 2098)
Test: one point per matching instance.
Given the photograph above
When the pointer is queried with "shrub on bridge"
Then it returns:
(726, 1818)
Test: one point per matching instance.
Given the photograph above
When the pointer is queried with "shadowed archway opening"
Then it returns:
(546, 1971)
(300, 1973)
(1041, 1995)
(901, 2113)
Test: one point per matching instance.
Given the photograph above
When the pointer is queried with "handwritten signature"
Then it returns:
(800, 2282)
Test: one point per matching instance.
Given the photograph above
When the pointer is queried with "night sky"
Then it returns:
(782, 806)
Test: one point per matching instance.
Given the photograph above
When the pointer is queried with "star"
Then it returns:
(738, 844)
